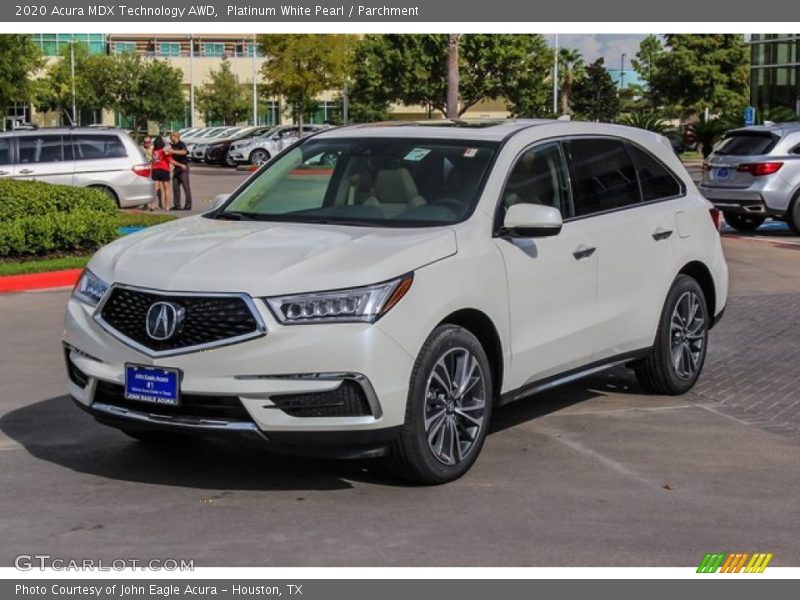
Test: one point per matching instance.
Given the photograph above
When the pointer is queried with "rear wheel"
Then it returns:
(107, 191)
(259, 157)
(793, 216)
(745, 223)
(448, 409)
(679, 352)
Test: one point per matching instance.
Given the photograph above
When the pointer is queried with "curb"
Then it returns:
(39, 281)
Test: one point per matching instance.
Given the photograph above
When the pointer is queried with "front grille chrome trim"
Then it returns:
(260, 331)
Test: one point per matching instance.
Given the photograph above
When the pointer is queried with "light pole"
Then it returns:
(622, 71)
(255, 84)
(555, 74)
(72, 74)
(191, 80)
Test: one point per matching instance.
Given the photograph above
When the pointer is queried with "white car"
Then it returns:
(257, 151)
(379, 290)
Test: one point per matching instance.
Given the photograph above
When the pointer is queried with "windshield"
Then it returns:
(368, 182)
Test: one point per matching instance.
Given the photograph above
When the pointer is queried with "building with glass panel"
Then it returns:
(774, 70)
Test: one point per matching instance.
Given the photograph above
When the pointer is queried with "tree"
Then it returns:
(224, 98)
(146, 89)
(92, 82)
(650, 51)
(702, 71)
(595, 96)
(705, 133)
(20, 60)
(452, 75)
(571, 68)
(648, 121)
(412, 70)
(299, 67)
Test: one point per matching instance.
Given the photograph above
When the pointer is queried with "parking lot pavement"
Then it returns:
(591, 474)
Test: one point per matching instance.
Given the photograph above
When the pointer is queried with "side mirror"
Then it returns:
(219, 200)
(532, 220)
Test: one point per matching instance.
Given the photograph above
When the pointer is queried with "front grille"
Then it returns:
(347, 400)
(227, 408)
(208, 320)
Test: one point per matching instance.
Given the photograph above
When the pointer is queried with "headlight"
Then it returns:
(90, 288)
(362, 304)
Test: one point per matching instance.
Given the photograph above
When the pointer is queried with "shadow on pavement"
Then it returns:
(56, 431)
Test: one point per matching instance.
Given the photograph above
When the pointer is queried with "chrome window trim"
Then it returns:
(260, 331)
(358, 378)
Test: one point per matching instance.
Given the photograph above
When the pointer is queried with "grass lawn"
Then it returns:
(43, 264)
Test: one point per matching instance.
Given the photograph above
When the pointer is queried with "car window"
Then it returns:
(5, 151)
(539, 177)
(603, 175)
(370, 182)
(657, 181)
(746, 144)
(88, 147)
(40, 148)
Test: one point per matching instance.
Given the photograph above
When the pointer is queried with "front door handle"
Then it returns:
(661, 234)
(583, 252)
(26, 171)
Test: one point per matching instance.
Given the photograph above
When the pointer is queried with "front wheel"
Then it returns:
(258, 157)
(448, 409)
(744, 223)
(679, 352)
(228, 160)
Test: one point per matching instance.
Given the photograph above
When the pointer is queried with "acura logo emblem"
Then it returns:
(164, 319)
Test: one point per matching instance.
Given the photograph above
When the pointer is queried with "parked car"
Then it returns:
(217, 151)
(379, 290)
(198, 150)
(201, 136)
(105, 159)
(753, 174)
(258, 151)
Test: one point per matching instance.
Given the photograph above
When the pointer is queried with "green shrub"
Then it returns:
(39, 217)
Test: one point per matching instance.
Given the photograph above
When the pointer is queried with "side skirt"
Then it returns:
(542, 385)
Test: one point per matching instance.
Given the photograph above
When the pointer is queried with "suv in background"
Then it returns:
(105, 159)
(259, 150)
(217, 151)
(754, 173)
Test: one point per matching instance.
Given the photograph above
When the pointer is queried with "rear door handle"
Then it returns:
(583, 252)
(661, 234)
(26, 171)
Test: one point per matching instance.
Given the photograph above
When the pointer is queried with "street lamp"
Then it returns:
(72, 74)
(622, 70)
(555, 73)
(255, 84)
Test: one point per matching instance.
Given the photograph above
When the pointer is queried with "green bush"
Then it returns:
(39, 217)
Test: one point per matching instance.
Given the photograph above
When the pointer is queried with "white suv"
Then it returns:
(379, 290)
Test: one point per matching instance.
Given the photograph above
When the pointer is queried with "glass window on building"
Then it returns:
(124, 47)
(270, 113)
(52, 44)
(169, 48)
(774, 71)
(213, 49)
(326, 112)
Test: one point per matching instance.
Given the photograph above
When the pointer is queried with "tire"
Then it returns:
(793, 216)
(258, 157)
(744, 223)
(456, 421)
(107, 191)
(679, 351)
(228, 161)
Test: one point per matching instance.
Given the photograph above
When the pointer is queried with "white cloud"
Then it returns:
(609, 46)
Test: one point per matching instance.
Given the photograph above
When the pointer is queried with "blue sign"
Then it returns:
(749, 116)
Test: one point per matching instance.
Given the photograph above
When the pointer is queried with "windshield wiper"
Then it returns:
(233, 216)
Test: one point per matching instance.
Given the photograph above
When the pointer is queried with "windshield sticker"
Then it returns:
(417, 154)
(470, 152)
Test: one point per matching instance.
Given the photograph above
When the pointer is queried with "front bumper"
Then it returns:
(239, 154)
(255, 375)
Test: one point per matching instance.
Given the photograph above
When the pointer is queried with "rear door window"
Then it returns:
(657, 181)
(604, 177)
(96, 146)
(40, 149)
(746, 144)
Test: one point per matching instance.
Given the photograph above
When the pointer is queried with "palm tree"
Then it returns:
(648, 121)
(705, 133)
(571, 67)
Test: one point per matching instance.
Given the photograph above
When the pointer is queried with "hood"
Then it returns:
(267, 258)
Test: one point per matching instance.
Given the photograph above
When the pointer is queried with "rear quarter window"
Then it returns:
(657, 181)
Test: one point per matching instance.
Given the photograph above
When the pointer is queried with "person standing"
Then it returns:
(160, 168)
(180, 174)
(147, 148)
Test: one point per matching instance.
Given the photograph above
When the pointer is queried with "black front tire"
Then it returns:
(411, 456)
(658, 373)
(743, 223)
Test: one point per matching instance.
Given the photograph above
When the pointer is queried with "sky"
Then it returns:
(609, 46)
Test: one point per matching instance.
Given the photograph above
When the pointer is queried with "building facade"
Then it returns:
(774, 69)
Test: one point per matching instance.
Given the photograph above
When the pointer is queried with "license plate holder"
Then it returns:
(722, 173)
(157, 385)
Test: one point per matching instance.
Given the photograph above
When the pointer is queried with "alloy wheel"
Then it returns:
(455, 405)
(687, 335)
